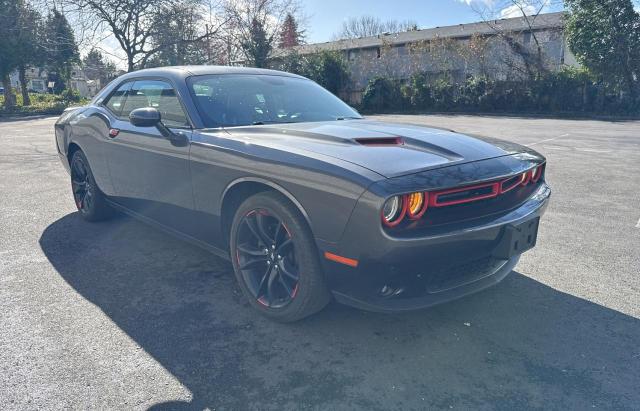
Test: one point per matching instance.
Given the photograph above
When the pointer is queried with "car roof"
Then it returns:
(188, 71)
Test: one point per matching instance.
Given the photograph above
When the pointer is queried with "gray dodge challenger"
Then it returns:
(309, 200)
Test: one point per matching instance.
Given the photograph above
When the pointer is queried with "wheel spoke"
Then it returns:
(80, 170)
(247, 249)
(263, 282)
(286, 286)
(253, 226)
(284, 245)
(276, 236)
(88, 199)
(78, 183)
(262, 228)
(272, 278)
(287, 272)
(252, 262)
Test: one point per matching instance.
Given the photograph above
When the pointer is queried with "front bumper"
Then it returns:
(401, 274)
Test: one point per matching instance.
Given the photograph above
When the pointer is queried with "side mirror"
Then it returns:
(145, 117)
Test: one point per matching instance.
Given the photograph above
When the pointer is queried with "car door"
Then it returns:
(150, 173)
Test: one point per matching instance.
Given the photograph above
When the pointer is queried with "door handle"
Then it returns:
(113, 132)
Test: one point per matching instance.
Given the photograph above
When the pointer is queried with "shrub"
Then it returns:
(444, 94)
(71, 96)
(383, 94)
(418, 91)
(329, 69)
(569, 90)
(42, 104)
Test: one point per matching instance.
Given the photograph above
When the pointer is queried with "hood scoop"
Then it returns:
(380, 141)
(390, 150)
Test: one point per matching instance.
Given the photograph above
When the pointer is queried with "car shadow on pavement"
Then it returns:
(518, 345)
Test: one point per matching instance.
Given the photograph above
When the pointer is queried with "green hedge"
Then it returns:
(42, 103)
(568, 91)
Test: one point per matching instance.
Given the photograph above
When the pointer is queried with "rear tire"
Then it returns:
(90, 201)
(275, 259)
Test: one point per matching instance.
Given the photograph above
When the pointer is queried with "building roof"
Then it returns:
(187, 71)
(541, 22)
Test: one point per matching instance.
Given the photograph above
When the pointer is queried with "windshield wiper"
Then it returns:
(262, 123)
(348, 118)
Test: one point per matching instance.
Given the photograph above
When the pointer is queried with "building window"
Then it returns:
(527, 37)
(37, 85)
(351, 55)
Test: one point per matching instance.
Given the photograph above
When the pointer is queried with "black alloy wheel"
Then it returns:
(82, 185)
(88, 198)
(275, 258)
(266, 258)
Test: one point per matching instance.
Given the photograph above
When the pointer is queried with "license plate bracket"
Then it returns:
(517, 239)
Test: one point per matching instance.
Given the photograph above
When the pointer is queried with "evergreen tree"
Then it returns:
(8, 47)
(290, 35)
(97, 68)
(257, 47)
(60, 48)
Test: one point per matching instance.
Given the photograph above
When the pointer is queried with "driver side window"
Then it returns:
(159, 95)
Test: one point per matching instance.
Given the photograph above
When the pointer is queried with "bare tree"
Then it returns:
(367, 26)
(137, 25)
(532, 58)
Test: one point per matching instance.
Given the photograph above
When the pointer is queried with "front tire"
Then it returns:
(275, 259)
(90, 201)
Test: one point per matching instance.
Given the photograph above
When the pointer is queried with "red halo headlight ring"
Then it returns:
(423, 209)
(400, 217)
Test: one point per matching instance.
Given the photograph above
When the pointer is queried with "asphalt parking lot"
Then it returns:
(119, 315)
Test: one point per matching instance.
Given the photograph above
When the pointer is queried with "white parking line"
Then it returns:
(593, 150)
(638, 225)
(547, 140)
(561, 148)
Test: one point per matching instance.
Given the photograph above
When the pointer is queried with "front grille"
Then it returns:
(465, 195)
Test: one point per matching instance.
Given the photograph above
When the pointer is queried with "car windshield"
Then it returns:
(230, 100)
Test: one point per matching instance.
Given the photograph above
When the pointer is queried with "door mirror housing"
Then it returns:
(145, 117)
(150, 117)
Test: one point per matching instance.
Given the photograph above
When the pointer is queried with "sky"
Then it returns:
(325, 17)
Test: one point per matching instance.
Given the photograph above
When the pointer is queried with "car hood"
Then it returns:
(388, 149)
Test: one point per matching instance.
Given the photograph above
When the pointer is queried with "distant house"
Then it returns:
(37, 81)
(494, 49)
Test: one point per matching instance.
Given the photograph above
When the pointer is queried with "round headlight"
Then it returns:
(415, 205)
(393, 210)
